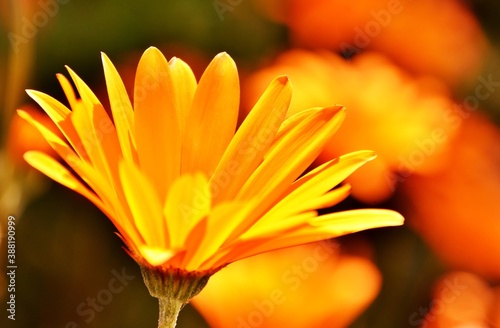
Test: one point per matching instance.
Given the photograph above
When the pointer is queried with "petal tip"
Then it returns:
(105, 59)
(283, 79)
(23, 114)
(152, 51)
(394, 218)
(152, 48)
(225, 58)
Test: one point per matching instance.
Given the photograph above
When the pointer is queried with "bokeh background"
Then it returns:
(421, 81)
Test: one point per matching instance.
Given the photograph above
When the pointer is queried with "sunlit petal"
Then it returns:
(252, 140)
(120, 107)
(213, 116)
(156, 121)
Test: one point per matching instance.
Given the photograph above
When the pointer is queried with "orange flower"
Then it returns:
(460, 299)
(456, 209)
(314, 285)
(389, 111)
(187, 194)
(23, 136)
(409, 32)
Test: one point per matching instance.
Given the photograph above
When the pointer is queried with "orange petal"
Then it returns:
(184, 84)
(213, 116)
(287, 159)
(156, 123)
(252, 140)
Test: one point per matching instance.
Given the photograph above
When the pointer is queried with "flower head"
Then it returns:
(462, 199)
(185, 190)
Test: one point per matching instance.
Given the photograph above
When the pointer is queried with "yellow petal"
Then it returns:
(144, 205)
(188, 202)
(213, 116)
(319, 228)
(275, 225)
(327, 200)
(220, 224)
(116, 205)
(341, 223)
(292, 122)
(54, 170)
(156, 122)
(55, 109)
(60, 174)
(61, 116)
(59, 146)
(325, 177)
(287, 159)
(123, 115)
(68, 90)
(86, 94)
(91, 142)
(107, 198)
(286, 209)
(251, 141)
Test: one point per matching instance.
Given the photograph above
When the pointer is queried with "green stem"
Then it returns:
(169, 311)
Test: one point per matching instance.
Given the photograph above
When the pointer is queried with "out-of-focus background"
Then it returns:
(421, 81)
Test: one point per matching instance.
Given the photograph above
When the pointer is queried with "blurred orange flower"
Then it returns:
(23, 136)
(402, 118)
(456, 210)
(315, 285)
(460, 299)
(442, 38)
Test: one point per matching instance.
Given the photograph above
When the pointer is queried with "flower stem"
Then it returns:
(169, 311)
